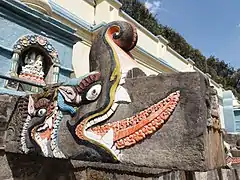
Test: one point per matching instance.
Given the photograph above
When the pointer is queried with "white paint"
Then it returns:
(107, 139)
(122, 95)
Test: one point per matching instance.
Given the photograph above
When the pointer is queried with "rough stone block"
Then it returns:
(184, 142)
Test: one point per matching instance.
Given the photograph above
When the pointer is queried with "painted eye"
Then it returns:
(41, 112)
(93, 92)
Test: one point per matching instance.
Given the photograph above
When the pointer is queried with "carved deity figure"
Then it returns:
(33, 68)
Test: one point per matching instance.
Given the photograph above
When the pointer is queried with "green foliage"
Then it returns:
(220, 71)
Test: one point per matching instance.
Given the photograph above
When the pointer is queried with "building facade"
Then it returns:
(35, 49)
(231, 109)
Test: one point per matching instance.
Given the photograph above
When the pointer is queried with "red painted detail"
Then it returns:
(84, 84)
(131, 130)
(79, 130)
(233, 160)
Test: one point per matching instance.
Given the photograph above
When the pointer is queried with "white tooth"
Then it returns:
(110, 112)
(91, 123)
(114, 106)
(99, 119)
(122, 95)
(108, 138)
(49, 122)
(88, 125)
(45, 126)
(104, 117)
(92, 135)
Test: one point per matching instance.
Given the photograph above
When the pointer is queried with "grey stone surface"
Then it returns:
(184, 142)
(231, 138)
(29, 167)
(7, 107)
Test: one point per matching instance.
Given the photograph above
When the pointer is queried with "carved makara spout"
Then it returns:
(84, 114)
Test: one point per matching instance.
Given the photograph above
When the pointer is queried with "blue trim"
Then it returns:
(66, 69)
(12, 92)
(38, 22)
(73, 18)
(63, 106)
(98, 26)
(6, 51)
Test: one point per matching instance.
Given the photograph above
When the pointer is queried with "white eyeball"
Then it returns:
(93, 92)
(41, 112)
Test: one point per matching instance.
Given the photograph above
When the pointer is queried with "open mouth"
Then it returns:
(45, 134)
(129, 131)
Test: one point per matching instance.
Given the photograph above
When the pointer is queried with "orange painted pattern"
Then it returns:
(233, 160)
(131, 130)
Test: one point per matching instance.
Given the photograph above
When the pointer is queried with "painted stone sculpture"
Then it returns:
(102, 89)
(33, 68)
(115, 113)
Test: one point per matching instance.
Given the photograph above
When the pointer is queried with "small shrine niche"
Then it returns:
(35, 63)
(34, 66)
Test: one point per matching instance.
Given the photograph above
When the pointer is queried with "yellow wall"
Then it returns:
(175, 60)
(79, 8)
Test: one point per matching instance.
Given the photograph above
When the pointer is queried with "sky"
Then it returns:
(212, 26)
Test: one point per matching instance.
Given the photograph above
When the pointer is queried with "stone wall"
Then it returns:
(29, 167)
